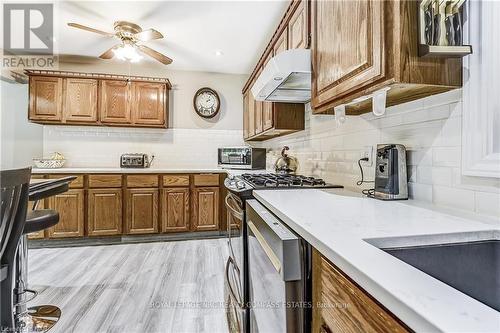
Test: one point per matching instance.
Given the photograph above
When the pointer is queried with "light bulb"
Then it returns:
(127, 52)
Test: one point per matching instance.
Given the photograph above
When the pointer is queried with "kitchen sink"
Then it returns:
(471, 267)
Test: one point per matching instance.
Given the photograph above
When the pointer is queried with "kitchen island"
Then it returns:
(348, 231)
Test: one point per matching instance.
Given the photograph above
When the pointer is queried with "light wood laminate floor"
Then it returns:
(150, 287)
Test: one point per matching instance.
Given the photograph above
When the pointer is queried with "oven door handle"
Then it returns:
(229, 262)
(265, 246)
(229, 197)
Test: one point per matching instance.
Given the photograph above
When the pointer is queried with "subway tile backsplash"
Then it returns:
(430, 128)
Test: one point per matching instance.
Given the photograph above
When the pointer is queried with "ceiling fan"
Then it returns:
(131, 36)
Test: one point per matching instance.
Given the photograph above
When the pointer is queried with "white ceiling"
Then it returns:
(193, 30)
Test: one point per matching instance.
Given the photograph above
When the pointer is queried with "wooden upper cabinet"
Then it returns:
(297, 28)
(115, 106)
(80, 100)
(175, 209)
(347, 47)
(281, 43)
(267, 107)
(149, 103)
(246, 115)
(104, 211)
(258, 113)
(205, 208)
(251, 114)
(45, 98)
(70, 206)
(141, 211)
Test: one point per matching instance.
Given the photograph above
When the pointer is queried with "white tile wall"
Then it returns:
(430, 129)
(102, 146)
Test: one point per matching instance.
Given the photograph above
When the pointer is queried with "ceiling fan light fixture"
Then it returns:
(127, 52)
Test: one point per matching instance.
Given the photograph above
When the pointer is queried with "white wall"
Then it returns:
(430, 129)
(190, 141)
(20, 140)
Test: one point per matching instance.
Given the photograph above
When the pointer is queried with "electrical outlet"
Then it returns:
(368, 153)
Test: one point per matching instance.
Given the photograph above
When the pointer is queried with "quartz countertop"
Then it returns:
(345, 228)
(127, 170)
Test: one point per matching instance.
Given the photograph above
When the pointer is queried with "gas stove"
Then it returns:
(245, 183)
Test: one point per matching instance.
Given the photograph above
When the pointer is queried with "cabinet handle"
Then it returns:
(325, 329)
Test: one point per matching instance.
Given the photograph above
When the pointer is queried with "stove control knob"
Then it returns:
(240, 185)
(230, 176)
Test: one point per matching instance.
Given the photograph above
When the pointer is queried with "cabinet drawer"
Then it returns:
(77, 183)
(207, 179)
(175, 180)
(142, 181)
(105, 181)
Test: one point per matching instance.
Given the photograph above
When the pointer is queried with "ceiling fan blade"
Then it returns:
(155, 54)
(147, 35)
(109, 53)
(79, 26)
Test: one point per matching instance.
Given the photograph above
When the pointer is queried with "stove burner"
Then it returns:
(282, 180)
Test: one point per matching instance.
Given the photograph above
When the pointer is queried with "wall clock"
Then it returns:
(206, 102)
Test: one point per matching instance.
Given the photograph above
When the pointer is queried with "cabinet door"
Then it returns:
(142, 211)
(70, 206)
(347, 46)
(251, 114)
(205, 208)
(105, 212)
(175, 209)
(267, 107)
(297, 28)
(45, 98)
(258, 116)
(246, 114)
(282, 43)
(149, 103)
(80, 102)
(115, 102)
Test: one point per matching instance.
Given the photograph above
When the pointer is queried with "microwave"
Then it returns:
(242, 158)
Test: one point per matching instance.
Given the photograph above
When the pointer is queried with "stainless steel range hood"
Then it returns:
(286, 78)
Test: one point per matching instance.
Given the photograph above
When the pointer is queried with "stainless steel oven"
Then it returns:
(235, 286)
(242, 158)
(279, 273)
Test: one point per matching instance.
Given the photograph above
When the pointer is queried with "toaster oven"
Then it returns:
(242, 158)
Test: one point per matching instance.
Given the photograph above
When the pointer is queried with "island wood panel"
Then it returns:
(175, 180)
(70, 206)
(104, 212)
(297, 28)
(206, 179)
(77, 183)
(205, 209)
(80, 102)
(97, 181)
(149, 103)
(45, 98)
(142, 180)
(175, 209)
(347, 47)
(342, 306)
(115, 104)
(141, 210)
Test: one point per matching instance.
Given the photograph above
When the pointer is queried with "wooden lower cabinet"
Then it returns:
(70, 206)
(104, 207)
(205, 208)
(141, 211)
(175, 209)
(341, 306)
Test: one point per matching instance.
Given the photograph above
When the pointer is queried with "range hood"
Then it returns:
(286, 78)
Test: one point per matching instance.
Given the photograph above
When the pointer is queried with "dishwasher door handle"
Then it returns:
(265, 246)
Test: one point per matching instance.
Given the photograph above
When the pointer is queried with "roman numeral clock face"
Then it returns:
(206, 103)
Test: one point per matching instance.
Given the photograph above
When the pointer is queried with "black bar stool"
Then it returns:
(44, 317)
(14, 186)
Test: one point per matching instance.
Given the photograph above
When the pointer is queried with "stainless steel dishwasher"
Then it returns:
(279, 274)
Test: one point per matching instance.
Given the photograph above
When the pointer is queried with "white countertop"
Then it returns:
(126, 170)
(339, 224)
